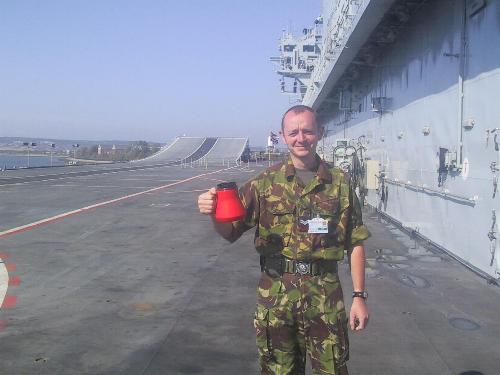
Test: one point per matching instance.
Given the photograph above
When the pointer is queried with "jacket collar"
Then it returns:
(323, 173)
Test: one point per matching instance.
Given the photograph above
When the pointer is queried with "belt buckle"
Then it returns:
(302, 268)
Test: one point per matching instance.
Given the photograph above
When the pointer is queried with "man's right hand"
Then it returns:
(206, 205)
(206, 202)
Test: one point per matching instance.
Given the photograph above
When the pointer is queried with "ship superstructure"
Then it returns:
(298, 58)
(408, 90)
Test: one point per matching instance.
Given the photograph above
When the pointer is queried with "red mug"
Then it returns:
(228, 205)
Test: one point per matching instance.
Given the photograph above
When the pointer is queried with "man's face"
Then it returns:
(301, 134)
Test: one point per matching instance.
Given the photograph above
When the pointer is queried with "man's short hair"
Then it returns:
(298, 109)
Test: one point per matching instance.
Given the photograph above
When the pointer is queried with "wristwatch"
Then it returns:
(361, 294)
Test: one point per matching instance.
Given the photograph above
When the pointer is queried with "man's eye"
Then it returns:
(292, 134)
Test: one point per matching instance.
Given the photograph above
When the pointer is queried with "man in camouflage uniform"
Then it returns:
(306, 214)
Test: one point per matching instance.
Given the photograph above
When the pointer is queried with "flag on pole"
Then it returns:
(273, 138)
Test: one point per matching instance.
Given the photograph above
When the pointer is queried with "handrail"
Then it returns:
(445, 193)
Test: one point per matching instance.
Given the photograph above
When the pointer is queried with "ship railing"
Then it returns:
(205, 162)
(443, 193)
(337, 29)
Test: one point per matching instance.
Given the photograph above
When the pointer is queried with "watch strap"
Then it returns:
(361, 294)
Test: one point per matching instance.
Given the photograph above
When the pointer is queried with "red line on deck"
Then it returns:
(11, 267)
(14, 281)
(9, 302)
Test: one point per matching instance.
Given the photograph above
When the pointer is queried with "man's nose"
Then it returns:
(300, 137)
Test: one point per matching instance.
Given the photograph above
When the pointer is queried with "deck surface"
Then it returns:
(116, 278)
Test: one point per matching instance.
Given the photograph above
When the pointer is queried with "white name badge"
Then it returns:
(318, 225)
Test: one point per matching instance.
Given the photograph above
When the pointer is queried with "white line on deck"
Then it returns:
(150, 178)
(117, 186)
(215, 179)
(159, 205)
(64, 215)
(64, 176)
(186, 191)
(4, 281)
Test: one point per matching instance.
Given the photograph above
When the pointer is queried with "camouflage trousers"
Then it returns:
(297, 315)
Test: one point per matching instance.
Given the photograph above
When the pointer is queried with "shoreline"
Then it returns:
(32, 154)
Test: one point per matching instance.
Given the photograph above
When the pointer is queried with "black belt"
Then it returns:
(277, 266)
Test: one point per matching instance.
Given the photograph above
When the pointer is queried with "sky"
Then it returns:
(144, 70)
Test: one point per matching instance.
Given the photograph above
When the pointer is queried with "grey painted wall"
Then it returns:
(420, 73)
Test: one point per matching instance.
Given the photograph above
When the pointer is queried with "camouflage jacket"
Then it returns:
(276, 199)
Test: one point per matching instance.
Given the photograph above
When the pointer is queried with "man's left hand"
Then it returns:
(358, 317)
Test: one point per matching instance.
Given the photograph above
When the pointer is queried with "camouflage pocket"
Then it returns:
(341, 345)
(282, 212)
(276, 219)
(329, 342)
(329, 210)
(329, 207)
(261, 324)
(332, 278)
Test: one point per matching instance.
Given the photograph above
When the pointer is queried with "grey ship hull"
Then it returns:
(417, 81)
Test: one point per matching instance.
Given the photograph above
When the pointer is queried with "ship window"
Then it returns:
(307, 48)
(289, 47)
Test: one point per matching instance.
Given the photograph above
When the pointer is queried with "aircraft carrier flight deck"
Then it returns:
(114, 271)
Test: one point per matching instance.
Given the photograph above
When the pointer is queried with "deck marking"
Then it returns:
(64, 215)
(9, 302)
(14, 281)
(215, 179)
(4, 280)
(65, 176)
(151, 178)
(116, 186)
(11, 267)
(186, 191)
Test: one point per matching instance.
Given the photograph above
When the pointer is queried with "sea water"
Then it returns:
(21, 161)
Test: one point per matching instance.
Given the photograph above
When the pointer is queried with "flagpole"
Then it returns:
(271, 141)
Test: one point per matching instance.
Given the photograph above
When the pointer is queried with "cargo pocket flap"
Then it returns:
(261, 324)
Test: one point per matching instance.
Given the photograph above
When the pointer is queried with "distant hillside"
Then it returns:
(15, 144)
